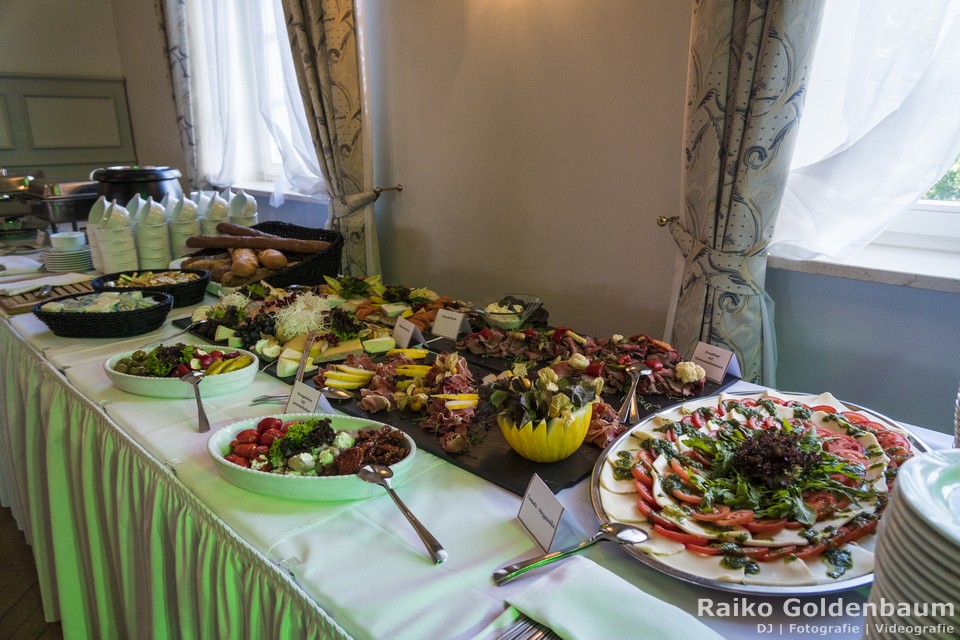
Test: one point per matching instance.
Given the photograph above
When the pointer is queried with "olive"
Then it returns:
(125, 362)
(121, 368)
(139, 355)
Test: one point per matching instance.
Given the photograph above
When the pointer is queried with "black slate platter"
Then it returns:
(492, 458)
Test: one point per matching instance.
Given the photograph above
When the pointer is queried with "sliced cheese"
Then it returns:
(341, 351)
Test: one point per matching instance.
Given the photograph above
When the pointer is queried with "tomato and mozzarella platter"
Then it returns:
(763, 489)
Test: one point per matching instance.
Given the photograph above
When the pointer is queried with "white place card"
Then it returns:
(540, 512)
(303, 399)
(450, 324)
(406, 333)
(715, 361)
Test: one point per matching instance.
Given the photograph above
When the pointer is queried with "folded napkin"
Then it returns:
(582, 600)
(18, 265)
(25, 286)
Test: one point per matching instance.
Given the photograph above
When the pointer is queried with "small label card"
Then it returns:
(303, 399)
(540, 512)
(450, 324)
(406, 333)
(716, 361)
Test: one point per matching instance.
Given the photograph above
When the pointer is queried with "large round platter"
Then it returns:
(691, 575)
(215, 385)
(311, 488)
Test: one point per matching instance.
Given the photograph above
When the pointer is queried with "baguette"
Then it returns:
(258, 242)
(231, 229)
(245, 262)
(208, 263)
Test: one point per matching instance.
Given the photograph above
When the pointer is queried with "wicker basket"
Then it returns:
(310, 269)
(184, 294)
(106, 324)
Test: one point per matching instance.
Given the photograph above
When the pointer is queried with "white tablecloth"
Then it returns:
(137, 535)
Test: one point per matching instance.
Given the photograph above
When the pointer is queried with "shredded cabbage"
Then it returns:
(308, 312)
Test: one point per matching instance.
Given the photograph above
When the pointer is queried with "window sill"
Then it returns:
(264, 189)
(884, 264)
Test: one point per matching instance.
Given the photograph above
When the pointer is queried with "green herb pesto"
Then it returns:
(839, 559)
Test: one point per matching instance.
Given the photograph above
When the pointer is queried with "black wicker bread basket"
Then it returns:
(106, 324)
(309, 269)
(184, 294)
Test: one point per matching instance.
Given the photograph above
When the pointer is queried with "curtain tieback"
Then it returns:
(729, 272)
(347, 204)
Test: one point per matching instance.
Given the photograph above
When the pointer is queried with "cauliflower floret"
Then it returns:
(689, 372)
(302, 462)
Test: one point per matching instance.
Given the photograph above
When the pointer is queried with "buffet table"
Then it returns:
(135, 533)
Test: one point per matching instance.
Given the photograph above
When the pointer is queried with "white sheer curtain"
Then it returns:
(880, 123)
(242, 79)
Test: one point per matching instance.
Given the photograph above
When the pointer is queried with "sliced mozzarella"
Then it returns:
(709, 567)
(793, 572)
(610, 483)
(657, 545)
(863, 563)
(621, 507)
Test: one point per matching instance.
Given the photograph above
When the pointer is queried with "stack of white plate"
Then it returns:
(956, 419)
(66, 260)
(917, 578)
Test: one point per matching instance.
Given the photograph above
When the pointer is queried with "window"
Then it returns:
(934, 221)
(879, 128)
(251, 128)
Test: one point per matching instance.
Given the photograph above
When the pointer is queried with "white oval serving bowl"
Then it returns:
(291, 487)
(215, 385)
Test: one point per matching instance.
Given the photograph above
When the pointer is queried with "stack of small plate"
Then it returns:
(917, 579)
(66, 260)
(956, 419)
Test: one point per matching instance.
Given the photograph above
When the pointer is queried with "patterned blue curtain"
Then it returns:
(749, 63)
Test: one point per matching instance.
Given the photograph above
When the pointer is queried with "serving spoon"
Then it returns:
(629, 413)
(380, 474)
(612, 531)
(195, 378)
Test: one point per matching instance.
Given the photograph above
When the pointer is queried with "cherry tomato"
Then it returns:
(268, 436)
(248, 451)
(262, 450)
(269, 423)
(247, 436)
(237, 460)
(680, 536)
(654, 365)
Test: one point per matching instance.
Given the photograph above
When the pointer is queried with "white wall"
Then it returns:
(536, 141)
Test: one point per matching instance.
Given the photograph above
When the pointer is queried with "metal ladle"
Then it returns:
(195, 378)
(629, 413)
(612, 531)
(379, 474)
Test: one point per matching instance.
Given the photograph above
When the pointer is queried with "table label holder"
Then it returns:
(716, 361)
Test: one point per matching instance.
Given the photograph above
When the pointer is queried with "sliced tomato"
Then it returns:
(810, 551)
(718, 512)
(854, 417)
(644, 508)
(656, 518)
(680, 536)
(698, 456)
(683, 496)
(769, 527)
(777, 553)
(646, 457)
(741, 516)
(680, 470)
(703, 550)
(825, 504)
(822, 407)
(645, 494)
(640, 474)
